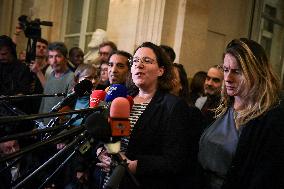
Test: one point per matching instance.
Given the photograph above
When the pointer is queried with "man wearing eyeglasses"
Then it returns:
(106, 49)
(212, 90)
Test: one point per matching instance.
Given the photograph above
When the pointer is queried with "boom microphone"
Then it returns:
(80, 90)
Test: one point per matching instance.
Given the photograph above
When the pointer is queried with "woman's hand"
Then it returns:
(132, 165)
(104, 158)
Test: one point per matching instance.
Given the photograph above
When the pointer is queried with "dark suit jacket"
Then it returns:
(165, 142)
(259, 159)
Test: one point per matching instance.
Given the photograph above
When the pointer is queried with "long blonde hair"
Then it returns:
(260, 86)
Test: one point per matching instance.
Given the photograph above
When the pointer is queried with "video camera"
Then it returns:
(32, 31)
(32, 28)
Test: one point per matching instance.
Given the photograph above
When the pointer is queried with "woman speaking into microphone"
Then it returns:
(164, 135)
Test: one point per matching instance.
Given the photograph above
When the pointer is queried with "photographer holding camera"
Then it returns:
(36, 54)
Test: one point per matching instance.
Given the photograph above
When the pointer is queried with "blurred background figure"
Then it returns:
(180, 82)
(10, 175)
(196, 88)
(61, 79)
(15, 77)
(20, 166)
(170, 52)
(212, 90)
(84, 72)
(76, 57)
(22, 56)
(103, 72)
(106, 49)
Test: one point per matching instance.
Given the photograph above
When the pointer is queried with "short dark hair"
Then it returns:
(197, 82)
(125, 54)
(58, 46)
(44, 41)
(108, 43)
(169, 51)
(184, 93)
(71, 51)
(6, 41)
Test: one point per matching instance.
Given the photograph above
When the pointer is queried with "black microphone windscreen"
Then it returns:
(84, 86)
(98, 127)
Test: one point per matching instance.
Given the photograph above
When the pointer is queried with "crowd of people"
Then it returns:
(224, 129)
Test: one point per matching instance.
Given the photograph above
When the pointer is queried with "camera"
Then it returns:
(32, 31)
(32, 28)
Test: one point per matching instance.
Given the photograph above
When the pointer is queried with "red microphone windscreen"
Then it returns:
(119, 117)
(96, 97)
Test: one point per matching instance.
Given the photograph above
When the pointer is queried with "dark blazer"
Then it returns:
(259, 158)
(165, 143)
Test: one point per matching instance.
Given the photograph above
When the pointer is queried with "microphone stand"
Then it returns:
(64, 126)
(40, 131)
(119, 172)
(52, 159)
(31, 96)
(16, 111)
(9, 119)
(83, 146)
(69, 133)
(57, 169)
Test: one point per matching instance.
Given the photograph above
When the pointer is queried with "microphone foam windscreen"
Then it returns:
(96, 97)
(119, 117)
(82, 87)
(98, 127)
(114, 91)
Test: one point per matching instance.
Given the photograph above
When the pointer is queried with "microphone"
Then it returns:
(119, 123)
(109, 129)
(80, 90)
(98, 127)
(114, 91)
(116, 125)
(96, 97)
(119, 117)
